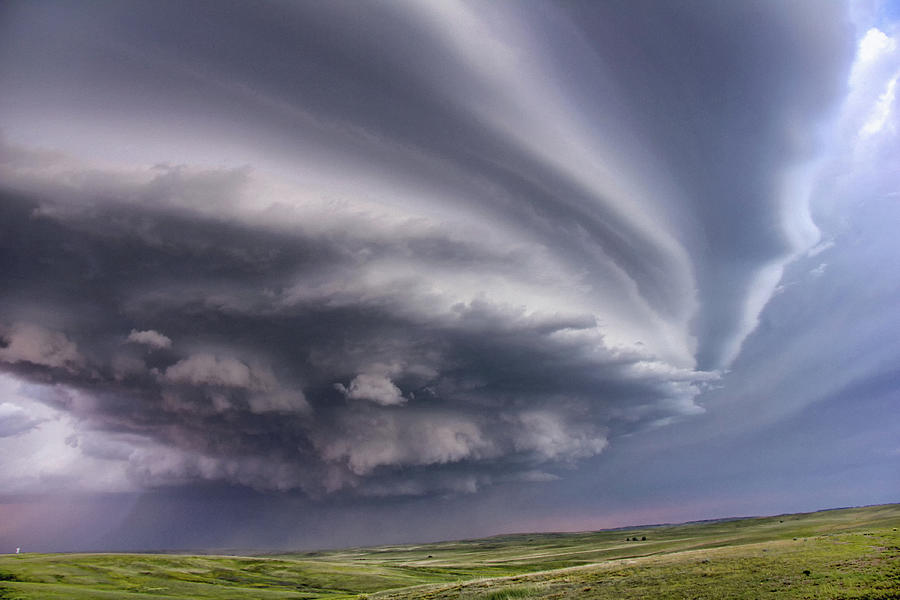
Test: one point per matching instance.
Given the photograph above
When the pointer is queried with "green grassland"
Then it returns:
(839, 554)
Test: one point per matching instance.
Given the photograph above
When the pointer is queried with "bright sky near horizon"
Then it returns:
(306, 274)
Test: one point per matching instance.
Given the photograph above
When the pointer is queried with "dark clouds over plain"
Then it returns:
(365, 252)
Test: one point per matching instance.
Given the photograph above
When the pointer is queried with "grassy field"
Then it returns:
(840, 554)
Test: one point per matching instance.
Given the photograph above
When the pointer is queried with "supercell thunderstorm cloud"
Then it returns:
(417, 249)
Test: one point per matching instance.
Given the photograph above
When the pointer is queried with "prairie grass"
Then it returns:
(841, 554)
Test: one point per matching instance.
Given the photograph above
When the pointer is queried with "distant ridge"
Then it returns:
(678, 524)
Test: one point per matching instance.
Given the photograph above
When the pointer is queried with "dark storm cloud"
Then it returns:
(261, 389)
(473, 243)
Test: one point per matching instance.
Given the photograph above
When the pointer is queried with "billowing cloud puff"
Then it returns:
(33, 344)
(151, 338)
(546, 434)
(407, 439)
(206, 369)
(377, 388)
(257, 385)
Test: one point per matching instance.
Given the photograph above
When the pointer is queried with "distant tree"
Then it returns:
(643, 538)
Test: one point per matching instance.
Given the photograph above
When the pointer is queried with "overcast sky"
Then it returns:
(312, 274)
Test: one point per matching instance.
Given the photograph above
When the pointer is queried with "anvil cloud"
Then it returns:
(397, 248)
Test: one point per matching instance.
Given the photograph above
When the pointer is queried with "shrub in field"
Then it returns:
(510, 593)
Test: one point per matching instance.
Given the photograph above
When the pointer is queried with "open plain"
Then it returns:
(835, 554)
